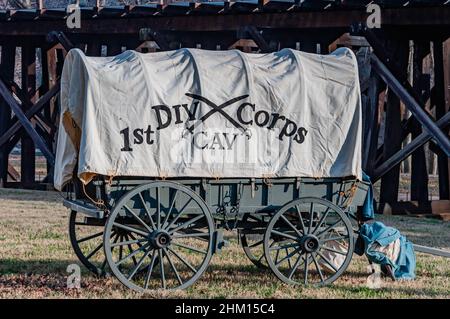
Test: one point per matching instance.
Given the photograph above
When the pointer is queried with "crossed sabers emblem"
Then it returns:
(216, 109)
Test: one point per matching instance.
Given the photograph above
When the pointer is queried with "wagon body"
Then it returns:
(250, 195)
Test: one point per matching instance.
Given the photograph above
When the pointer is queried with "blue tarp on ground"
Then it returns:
(405, 265)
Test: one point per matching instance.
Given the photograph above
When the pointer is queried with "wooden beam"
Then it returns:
(438, 100)
(27, 146)
(419, 173)
(7, 72)
(392, 132)
(13, 173)
(392, 17)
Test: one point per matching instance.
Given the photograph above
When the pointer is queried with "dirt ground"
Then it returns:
(35, 252)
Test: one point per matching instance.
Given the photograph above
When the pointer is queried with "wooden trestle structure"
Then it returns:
(410, 31)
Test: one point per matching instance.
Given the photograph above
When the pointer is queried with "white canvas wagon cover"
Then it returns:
(198, 113)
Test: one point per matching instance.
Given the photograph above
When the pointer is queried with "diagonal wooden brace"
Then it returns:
(409, 101)
(146, 34)
(30, 113)
(255, 35)
(24, 121)
(401, 155)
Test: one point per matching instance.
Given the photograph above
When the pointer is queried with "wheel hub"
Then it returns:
(160, 239)
(310, 243)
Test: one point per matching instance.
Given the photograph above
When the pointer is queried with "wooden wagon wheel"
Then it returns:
(252, 240)
(170, 230)
(86, 238)
(309, 241)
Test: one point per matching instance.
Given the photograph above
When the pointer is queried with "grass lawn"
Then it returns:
(35, 252)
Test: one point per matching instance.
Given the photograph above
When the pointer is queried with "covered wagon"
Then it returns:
(161, 152)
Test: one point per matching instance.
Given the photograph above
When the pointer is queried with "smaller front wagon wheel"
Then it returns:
(309, 241)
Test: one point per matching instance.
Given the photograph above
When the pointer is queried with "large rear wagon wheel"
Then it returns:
(170, 231)
(86, 238)
(309, 241)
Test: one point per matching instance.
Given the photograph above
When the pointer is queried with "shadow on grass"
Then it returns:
(402, 291)
(40, 267)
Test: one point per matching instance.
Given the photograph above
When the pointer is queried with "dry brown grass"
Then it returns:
(35, 252)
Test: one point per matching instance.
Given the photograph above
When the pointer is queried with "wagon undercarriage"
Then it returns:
(154, 234)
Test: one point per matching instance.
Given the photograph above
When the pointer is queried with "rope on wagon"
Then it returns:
(98, 202)
(349, 194)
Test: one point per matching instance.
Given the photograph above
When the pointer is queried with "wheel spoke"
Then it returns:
(139, 264)
(150, 270)
(130, 250)
(190, 248)
(186, 224)
(283, 247)
(158, 209)
(327, 261)
(301, 219)
(334, 238)
(292, 226)
(311, 217)
(138, 218)
(147, 211)
(284, 235)
(322, 219)
(317, 267)
(200, 234)
(90, 237)
(289, 256)
(170, 209)
(305, 273)
(328, 228)
(132, 229)
(334, 250)
(94, 251)
(120, 248)
(182, 260)
(161, 267)
(173, 266)
(296, 264)
(256, 244)
(132, 254)
(179, 214)
(128, 242)
(289, 259)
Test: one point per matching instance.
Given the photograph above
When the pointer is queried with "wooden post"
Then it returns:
(7, 73)
(419, 173)
(438, 100)
(28, 152)
(392, 132)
